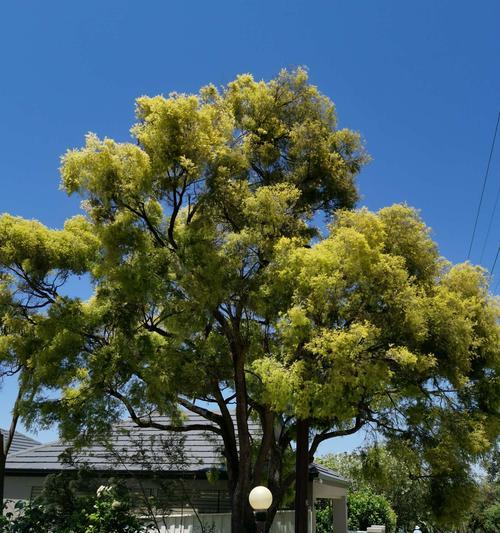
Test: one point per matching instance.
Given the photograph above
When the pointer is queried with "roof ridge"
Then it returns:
(33, 448)
(19, 434)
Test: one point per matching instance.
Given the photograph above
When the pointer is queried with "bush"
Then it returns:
(491, 521)
(107, 511)
(366, 509)
(111, 513)
(486, 519)
(324, 518)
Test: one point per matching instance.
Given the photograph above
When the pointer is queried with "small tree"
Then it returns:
(156, 456)
(65, 501)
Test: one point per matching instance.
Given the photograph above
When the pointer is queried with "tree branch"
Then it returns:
(141, 213)
(177, 201)
(266, 422)
(205, 413)
(320, 437)
(150, 423)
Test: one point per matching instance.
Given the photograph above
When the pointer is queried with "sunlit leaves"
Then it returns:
(373, 308)
(36, 249)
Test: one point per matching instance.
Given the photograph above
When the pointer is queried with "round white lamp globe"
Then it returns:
(260, 498)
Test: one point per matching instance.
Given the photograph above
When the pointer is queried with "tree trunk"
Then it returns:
(271, 512)
(242, 517)
(302, 476)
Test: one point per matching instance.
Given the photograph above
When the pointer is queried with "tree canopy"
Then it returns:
(381, 469)
(230, 271)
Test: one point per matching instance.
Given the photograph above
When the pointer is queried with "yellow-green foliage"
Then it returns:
(211, 267)
(31, 246)
(373, 308)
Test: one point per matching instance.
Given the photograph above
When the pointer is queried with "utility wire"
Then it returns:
(497, 285)
(490, 223)
(484, 186)
(491, 272)
(495, 262)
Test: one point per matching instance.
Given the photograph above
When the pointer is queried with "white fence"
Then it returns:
(218, 523)
(284, 522)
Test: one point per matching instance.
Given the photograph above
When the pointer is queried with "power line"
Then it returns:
(490, 223)
(494, 262)
(492, 269)
(484, 186)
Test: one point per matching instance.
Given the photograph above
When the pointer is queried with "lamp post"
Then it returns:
(260, 499)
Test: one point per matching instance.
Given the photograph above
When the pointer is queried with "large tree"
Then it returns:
(218, 285)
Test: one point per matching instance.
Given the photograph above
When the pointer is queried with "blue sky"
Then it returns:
(419, 80)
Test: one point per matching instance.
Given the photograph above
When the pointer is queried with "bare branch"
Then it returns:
(149, 422)
(325, 435)
(9, 372)
(205, 413)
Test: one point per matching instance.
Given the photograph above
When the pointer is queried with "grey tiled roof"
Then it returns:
(19, 442)
(201, 450)
(322, 472)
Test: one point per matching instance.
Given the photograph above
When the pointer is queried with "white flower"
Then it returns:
(103, 489)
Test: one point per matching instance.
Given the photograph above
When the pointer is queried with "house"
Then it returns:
(19, 442)
(186, 470)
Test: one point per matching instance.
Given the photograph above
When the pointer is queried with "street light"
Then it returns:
(260, 499)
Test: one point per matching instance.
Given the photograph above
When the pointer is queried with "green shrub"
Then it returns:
(107, 511)
(324, 518)
(366, 509)
(111, 513)
(491, 515)
(486, 519)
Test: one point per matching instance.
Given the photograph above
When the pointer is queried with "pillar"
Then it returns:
(340, 515)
